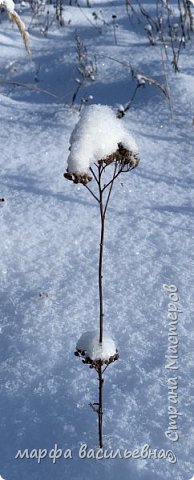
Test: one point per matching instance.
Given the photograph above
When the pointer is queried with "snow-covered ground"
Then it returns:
(49, 252)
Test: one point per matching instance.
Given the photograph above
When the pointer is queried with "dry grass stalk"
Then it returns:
(9, 5)
(15, 18)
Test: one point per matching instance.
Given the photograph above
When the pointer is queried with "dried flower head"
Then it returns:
(95, 363)
(122, 156)
(94, 353)
(78, 177)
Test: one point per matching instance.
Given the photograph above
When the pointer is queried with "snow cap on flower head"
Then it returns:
(95, 353)
(99, 137)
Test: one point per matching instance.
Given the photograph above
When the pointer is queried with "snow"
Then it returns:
(50, 241)
(8, 4)
(89, 343)
(96, 135)
(140, 79)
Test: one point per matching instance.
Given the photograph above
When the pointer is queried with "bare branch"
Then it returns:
(92, 193)
(93, 173)
(115, 175)
(29, 87)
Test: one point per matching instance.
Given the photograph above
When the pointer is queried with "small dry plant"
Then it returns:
(171, 25)
(86, 67)
(45, 15)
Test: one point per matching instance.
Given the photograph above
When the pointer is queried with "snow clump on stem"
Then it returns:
(95, 353)
(98, 137)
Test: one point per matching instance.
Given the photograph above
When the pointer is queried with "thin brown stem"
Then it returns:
(93, 173)
(100, 275)
(29, 87)
(110, 189)
(115, 175)
(100, 411)
(103, 199)
(92, 193)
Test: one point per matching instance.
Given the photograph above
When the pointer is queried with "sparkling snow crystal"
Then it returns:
(96, 136)
(88, 347)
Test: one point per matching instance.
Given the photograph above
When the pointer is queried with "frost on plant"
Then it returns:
(99, 137)
(9, 5)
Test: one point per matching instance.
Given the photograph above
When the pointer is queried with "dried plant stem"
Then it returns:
(189, 12)
(100, 410)
(104, 193)
(103, 205)
(28, 86)
(14, 17)
(76, 92)
(100, 275)
(102, 197)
